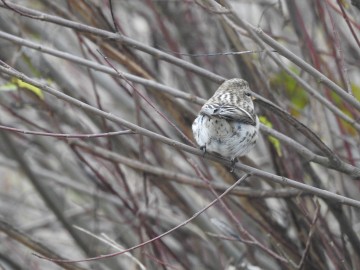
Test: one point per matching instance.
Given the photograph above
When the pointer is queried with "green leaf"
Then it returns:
(288, 85)
(339, 102)
(24, 85)
(356, 91)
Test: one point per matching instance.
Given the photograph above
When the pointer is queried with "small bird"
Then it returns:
(227, 123)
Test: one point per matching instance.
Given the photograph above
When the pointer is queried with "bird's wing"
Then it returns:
(228, 112)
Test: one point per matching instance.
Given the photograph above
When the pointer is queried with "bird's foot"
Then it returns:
(203, 149)
(233, 161)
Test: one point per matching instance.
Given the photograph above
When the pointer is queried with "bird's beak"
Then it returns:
(253, 97)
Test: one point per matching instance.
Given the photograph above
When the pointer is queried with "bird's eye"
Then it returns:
(248, 94)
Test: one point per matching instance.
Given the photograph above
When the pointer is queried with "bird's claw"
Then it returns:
(203, 149)
(233, 161)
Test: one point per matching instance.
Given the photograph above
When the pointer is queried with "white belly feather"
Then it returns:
(230, 139)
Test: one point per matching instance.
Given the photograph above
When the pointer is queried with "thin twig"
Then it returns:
(344, 167)
(157, 237)
(348, 22)
(148, 101)
(320, 77)
(67, 136)
(265, 175)
(184, 178)
(108, 70)
(117, 37)
(311, 232)
(27, 241)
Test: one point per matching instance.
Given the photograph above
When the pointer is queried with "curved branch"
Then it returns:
(339, 165)
(321, 78)
(248, 169)
(160, 55)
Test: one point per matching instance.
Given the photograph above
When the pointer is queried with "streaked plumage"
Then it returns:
(227, 123)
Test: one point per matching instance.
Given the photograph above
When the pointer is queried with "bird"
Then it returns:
(227, 124)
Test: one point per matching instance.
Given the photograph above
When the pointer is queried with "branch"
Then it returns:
(102, 68)
(160, 55)
(159, 236)
(338, 165)
(321, 78)
(265, 175)
(184, 178)
(24, 239)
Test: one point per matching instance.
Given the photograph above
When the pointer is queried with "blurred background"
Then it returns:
(84, 196)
